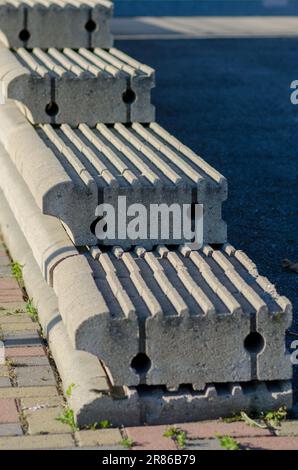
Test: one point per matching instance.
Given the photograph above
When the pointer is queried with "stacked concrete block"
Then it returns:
(73, 86)
(56, 23)
(95, 397)
(178, 316)
(86, 166)
(152, 329)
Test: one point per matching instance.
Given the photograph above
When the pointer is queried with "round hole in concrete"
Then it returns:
(52, 108)
(254, 342)
(129, 96)
(24, 35)
(90, 26)
(141, 363)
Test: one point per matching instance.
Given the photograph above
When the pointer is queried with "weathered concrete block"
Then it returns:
(70, 171)
(94, 323)
(45, 235)
(271, 359)
(74, 86)
(216, 401)
(202, 316)
(93, 399)
(82, 303)
(51, 23)
(177, 316)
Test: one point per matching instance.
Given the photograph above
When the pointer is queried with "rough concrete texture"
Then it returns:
(251, 144)
(74, 284)
(94, 321)
(204, 315)
(49, 241)
(92, 398)
(150, 302)
(56, 23)
(85, 167)
(178, 316)
(73, 86)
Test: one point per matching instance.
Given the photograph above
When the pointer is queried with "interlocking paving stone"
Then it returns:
(5, 271)
(150, 438)
(10, 429)
(44, 420)
(8, 317)
(269, 443)
(209, 429)
(27, 351)
(34, 376)
(12, 306)
(288, 428)
(6, 296)
(204, 444)
(8, 410)
(4, 260)
(9, 283)
(41, 402)
(13, 339)
(22, 392)
(4, 382)
(49, 441)
(4, 372)
(19, 327)
(100, 437)
(30, 361)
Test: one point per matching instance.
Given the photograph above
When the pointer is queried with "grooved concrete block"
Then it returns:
(110, 334)
(129, 406)
(50, 244)
(272, 360)
(57, 86)
(70, 171)
(177, 316)
(56, 23)
(202, 316)
(214, 402)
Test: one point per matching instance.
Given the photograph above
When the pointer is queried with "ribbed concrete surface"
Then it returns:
(197, 311)
(70, 86)
(94, 400)
(56, 23)
(190, 312)
(86, 166)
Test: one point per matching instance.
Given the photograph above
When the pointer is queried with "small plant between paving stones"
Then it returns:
(178, 435)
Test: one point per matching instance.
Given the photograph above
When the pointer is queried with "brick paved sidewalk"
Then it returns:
(31, 399)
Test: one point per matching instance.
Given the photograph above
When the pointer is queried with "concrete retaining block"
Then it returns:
(92, 398)
(203, 317)
(82, 302)
(163, 317)
(74, 86)
(178, 316)
(217, 400)
(271, 362)
(70, 171)
(45, 235)
(94, 323)
(51, 23)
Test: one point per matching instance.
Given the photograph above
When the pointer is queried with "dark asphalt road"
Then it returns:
(229, 100)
